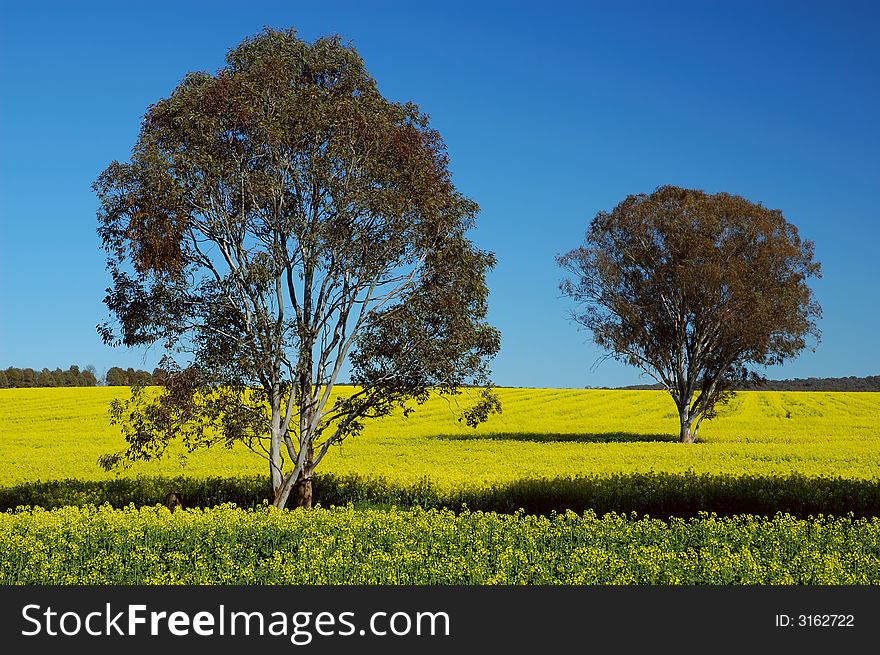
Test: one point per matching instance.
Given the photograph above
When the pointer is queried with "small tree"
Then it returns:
(14, 377)
(87, 377)
(158, 376)
(280, 223)
(694, 289)
(115, 377)
(70, 377)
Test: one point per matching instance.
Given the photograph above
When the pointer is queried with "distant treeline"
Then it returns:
(851, 383)
(25, 378)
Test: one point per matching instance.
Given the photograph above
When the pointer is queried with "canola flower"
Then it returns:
(49, 434)
(228, 545)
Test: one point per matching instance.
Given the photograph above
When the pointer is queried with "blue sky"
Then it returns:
(551, 112)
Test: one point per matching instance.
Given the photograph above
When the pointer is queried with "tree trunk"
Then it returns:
(697, 427)
(685, 435)
(275, 440)
(301, 496)
(282, 493)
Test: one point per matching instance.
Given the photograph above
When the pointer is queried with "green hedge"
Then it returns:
(654, 494)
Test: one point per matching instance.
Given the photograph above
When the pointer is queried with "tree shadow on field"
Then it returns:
(537, 437)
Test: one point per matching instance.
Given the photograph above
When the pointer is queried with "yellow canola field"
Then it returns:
(48, 434)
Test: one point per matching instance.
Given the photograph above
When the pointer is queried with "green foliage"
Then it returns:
(695, 289)
(117, 377)
(278, 222)
(227, 545)
(27, 378)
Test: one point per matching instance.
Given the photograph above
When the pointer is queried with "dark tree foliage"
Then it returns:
(850, 384)
(280, 223)
(45, 378)
(696, 290)
(28, 378)
(118, 377)
(14, 377)
(88, 377)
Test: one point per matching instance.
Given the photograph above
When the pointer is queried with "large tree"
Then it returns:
(697, 290)
(281, 224)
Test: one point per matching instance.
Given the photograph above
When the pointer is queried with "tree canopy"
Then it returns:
(14, 377)
(279, 224)
(698, 290)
